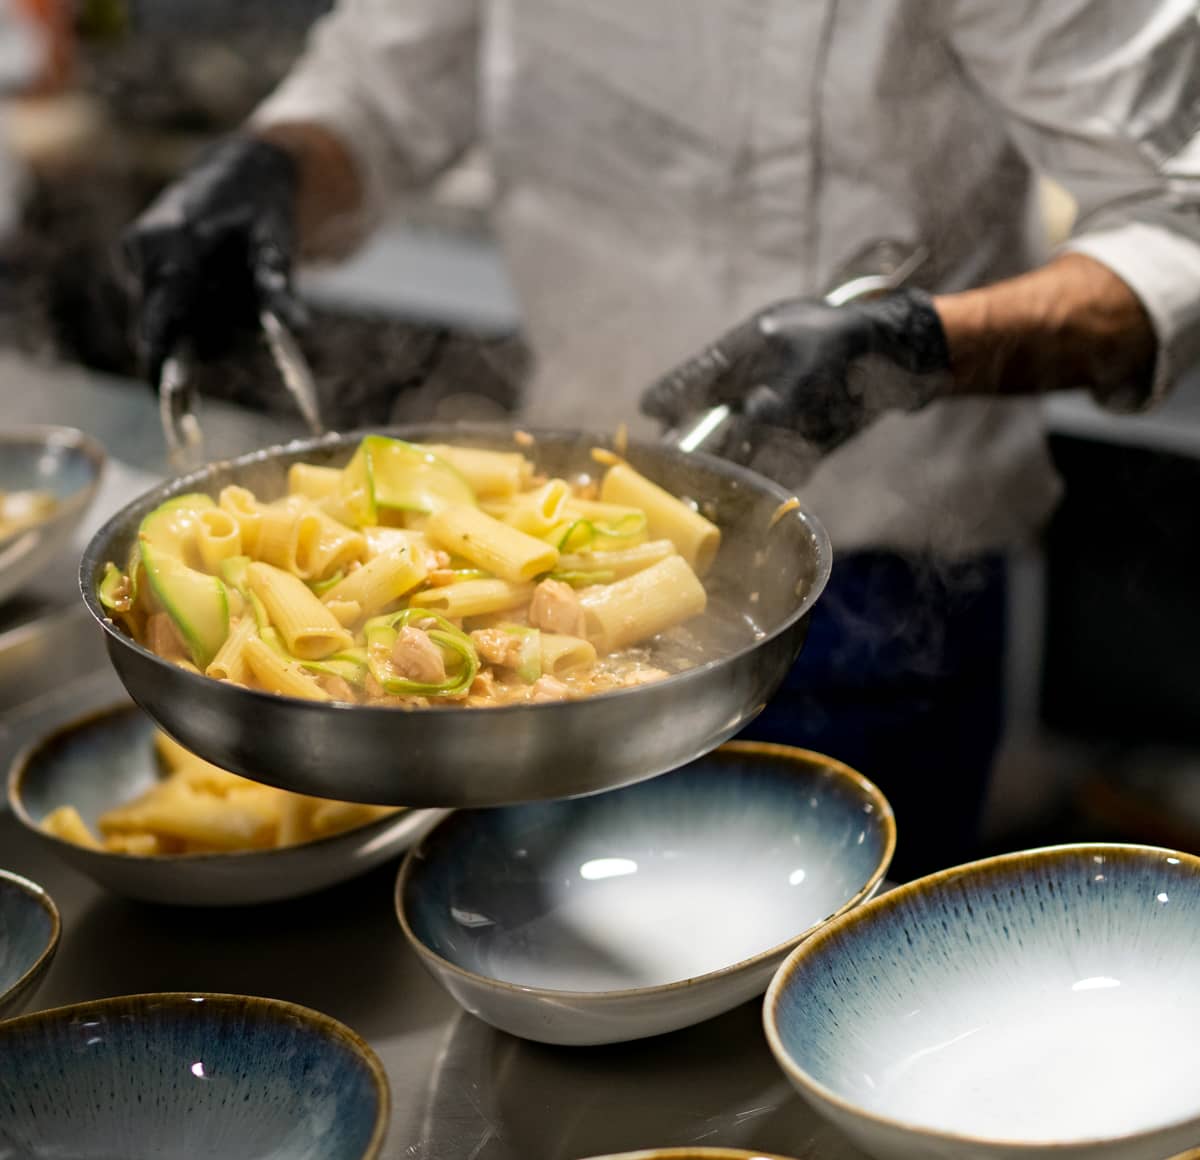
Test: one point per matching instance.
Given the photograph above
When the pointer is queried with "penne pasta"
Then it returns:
(490, 473)
(230, 662)
(620, 562)
(218, 537)
(473, 597)
(494, 546)
(540, 511)
(642, 605)
(594, 509)
(314, 482)
(561, 654)
(418, 576)
(324, 545)
(381, 581)
(309, 630)
(346, 612)
(276, 674)
(381, 540)
(297, 536)
(696, 538)
(244, 508)
(199, 808)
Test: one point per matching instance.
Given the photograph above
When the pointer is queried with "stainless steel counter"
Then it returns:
(461, 1091)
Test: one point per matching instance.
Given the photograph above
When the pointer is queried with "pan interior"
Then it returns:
(764, 573)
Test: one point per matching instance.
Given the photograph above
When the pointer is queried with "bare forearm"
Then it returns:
(329, 193)
(1069, 324)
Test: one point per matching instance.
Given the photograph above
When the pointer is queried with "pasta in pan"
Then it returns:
(419, 576)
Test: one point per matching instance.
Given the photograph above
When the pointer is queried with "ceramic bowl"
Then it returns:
(1034, 1004)
(692, 1154)
(106, 758)
(179, 1076)
(649, 908)
(61, 460)
(29, 932)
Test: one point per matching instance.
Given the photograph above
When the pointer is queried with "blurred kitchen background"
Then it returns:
(1104, 708)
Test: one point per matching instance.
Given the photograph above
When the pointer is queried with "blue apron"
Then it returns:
(902, 678)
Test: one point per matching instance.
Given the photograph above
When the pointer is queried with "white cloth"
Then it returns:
(22, 53)
(667, 166)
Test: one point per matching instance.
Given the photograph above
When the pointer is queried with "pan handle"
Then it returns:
(723, 430)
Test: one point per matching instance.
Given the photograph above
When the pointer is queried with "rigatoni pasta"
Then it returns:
(642, 605)
(308, 628)
(477, 597)
(420, 576)
(696, 538)
(198, 808)
(495, 547)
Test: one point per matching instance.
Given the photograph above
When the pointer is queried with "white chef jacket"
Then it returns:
(666, 167)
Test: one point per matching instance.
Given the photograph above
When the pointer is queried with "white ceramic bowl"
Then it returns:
(649, 908)
(108, 757)
(1035, 1004)
(63, 461)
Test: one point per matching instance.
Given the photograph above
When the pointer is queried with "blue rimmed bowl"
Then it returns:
(62, 461)
(1042, 1004)
(181, 1076)
(645, 909)
(30, 930)
(106, 758)
(692, 1154)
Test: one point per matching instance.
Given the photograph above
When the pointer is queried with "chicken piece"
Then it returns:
(163, 639)
(337, 687)
(498, 647)
(644, 676)
(548, 689)
(484, 684)
(417, 658)
(556, 608)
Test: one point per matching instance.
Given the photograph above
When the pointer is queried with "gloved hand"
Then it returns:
(214, 247)
(823, 372)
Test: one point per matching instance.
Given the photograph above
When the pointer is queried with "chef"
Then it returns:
(678, 184)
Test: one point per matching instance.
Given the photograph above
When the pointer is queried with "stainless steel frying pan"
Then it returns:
(767, 577)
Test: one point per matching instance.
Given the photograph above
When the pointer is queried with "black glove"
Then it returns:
(821, 371)
(214, 248)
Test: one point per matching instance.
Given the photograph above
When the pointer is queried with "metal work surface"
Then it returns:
(460, 1090)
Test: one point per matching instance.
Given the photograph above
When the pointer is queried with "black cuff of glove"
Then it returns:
(909, 331)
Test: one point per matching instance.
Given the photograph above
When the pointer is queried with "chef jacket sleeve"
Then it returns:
(396, 82)
(1104, 96)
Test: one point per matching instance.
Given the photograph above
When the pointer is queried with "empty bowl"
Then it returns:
(179, 1076)
(1043, 1003)
(60, 461)
(107, 758)
(645, 909)
(692, 1154)
(29, 932)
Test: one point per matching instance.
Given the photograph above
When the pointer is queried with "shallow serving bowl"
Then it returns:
(180, 1076)
(645, 909)
(107, 758)
(29, 933)
(692, 1154)
(1034, 1004)
(61, 460)
(773, 563)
